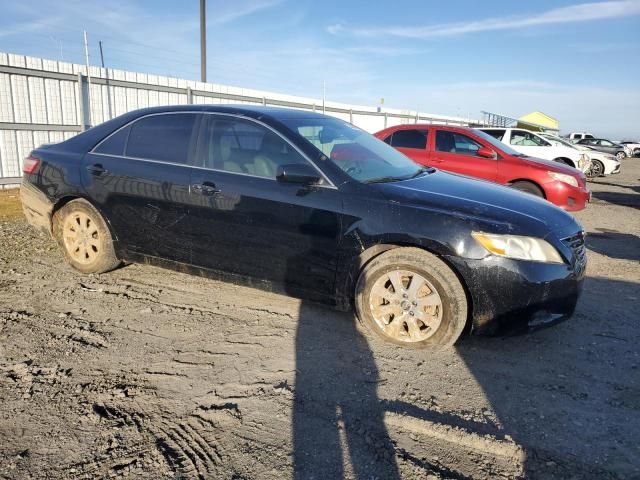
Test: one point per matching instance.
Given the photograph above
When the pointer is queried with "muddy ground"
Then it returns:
(154, 374)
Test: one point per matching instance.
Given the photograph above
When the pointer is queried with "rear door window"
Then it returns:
(166, 138)
(411, 138)
(114, 144)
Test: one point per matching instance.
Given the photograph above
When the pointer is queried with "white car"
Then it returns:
(601, 164)
(634, 148)
(533, 145)
(575, 136)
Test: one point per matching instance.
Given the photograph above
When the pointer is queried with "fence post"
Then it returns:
(385, 119)
(351, 116)
(83, 102)
(189, 96)
(264, 101)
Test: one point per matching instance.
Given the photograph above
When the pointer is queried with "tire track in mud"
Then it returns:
(191, 446)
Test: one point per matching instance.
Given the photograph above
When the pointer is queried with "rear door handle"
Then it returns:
(205, 188)
(97, 169)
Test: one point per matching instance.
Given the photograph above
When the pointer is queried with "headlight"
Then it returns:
(563, 177)
(518, 247)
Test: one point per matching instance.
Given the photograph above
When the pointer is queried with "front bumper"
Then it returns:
(568, 197)
(511, 295)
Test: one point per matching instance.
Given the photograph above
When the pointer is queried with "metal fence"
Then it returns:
(46, 101)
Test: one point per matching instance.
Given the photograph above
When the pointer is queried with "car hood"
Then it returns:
(489, 206)
(550, 165)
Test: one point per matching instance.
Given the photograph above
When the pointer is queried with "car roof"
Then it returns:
(254, 111)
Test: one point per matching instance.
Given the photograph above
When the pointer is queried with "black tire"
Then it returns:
(596, 170)
(438, 276)
(528, 187)
(565, 161)
(620, 156)
(84, 238)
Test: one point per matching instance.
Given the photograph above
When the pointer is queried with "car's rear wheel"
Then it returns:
(596, 170)
(620, 155)
(84, 238)
(528, 187)
(411, 298)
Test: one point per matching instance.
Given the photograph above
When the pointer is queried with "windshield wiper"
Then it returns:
(384, 179)
(422, 170)
(387, 179)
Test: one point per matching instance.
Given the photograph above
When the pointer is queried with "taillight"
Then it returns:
(30, 164)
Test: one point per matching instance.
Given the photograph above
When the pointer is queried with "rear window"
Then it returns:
(409, 139)
(497, 134)
(164, 138)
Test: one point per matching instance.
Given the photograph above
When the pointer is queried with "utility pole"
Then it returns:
(203, 41)
(324, 95)
(86, 57)
(106, 78)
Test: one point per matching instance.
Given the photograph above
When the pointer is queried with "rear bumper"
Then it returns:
(36, 206)
(510, 295)
(571, 199)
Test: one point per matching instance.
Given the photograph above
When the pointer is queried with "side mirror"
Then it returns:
(301, 173)
(486, 152)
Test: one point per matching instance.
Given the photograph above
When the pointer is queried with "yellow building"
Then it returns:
(538, 119)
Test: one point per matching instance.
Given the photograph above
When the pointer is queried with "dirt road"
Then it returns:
(158, 374)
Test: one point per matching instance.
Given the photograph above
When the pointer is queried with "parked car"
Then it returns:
(310, 205)
(575, 136)
(476, 154)
(600, 163)
(634, 148)
(604, 145)
(532, 144)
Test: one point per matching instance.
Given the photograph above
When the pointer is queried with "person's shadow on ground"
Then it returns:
(338, 419)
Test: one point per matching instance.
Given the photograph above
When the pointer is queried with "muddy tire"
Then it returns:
(528, 187)
(84, 238)
(411, 298)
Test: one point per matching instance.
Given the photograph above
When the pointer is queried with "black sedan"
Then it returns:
(312, 206)
(605, 146)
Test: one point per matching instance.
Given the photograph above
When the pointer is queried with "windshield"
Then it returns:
(560, 140)
(360, 155)
(498, 144)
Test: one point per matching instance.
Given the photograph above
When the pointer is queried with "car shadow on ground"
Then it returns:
(614, 244)
(624, 199)
(536, 384)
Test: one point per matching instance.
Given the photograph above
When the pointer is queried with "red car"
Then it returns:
(474, 153)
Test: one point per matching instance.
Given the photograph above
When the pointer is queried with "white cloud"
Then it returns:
(575, 13)
(236, 10)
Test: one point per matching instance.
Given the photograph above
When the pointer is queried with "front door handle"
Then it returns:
(97, 169)
(205, 188)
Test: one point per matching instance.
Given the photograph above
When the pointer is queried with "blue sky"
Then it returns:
(579, 62)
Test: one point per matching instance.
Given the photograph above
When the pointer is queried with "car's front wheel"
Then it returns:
(621, 155)
(411, 298)
(596, 170)
(84, 238)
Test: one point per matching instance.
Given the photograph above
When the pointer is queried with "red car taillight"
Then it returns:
(30, 164)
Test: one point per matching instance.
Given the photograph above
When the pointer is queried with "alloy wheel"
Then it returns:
(81, 238)
(406, 306)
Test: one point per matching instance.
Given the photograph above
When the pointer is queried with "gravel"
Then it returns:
(150, 373)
